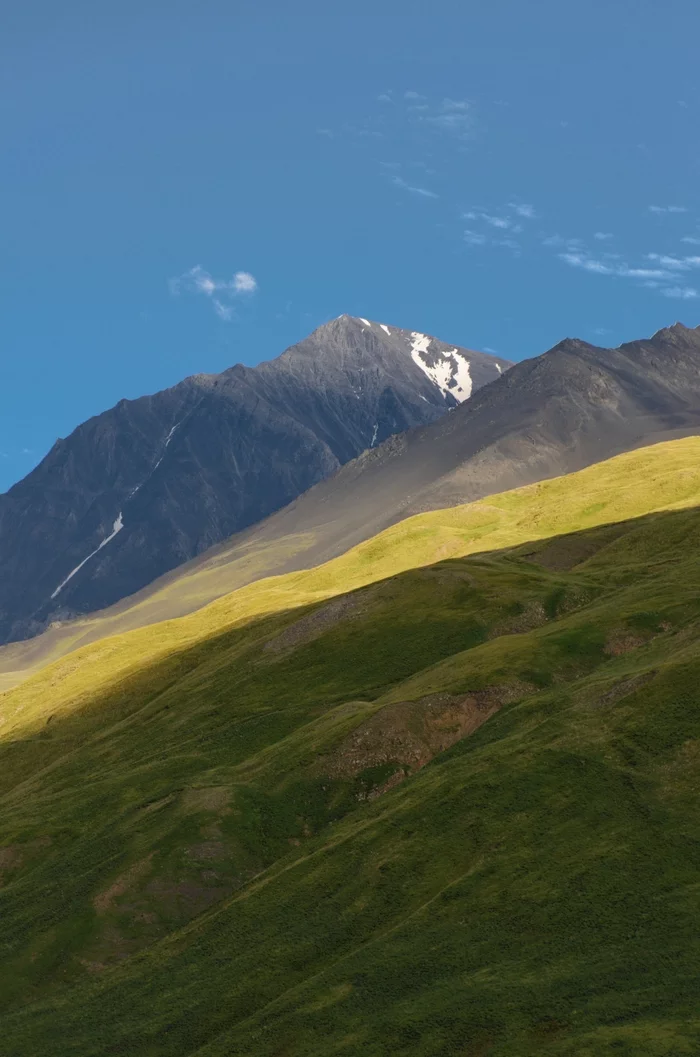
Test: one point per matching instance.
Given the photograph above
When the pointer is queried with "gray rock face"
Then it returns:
(154, 482)
(575, 405)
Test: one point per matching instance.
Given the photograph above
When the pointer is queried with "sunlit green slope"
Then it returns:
(451, 812)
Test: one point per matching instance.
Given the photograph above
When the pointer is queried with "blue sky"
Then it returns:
(185, 186)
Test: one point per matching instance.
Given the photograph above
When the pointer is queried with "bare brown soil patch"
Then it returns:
(410, 734)
(623, 641)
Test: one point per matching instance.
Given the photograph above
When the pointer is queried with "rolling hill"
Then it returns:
(435, 797)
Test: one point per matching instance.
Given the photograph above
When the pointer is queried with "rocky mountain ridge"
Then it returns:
(156, 481)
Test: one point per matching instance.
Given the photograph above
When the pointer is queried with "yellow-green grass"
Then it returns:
(656, 478)
(662, 477)
(205, 852)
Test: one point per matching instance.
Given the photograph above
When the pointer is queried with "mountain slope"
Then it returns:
(572, 406)
(154, 482)
(452, 812)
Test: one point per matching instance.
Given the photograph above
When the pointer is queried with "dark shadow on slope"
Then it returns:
(100, 787)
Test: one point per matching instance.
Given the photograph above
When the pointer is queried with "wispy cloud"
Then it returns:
(680, 264)
(667, 209)
(413, 95)
(399, 181)
(497, 228)
(602, 236)
(685, 293)
(522, 209)
(453, 116)
(503, 223)
(691, 239)
(663, 277)
(221, 292)
(608, 267)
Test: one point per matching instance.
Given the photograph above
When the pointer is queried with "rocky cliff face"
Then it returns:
(153, 482)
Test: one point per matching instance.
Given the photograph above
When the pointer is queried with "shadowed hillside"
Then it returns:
(451, 811)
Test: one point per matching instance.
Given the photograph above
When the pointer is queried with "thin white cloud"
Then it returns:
(590, 264)
(223, 311)
(667, 209)
(602, 236)
(399, 181)
(452, 116)
(385, 98)
(496, 222)
(662, 278)
(685, 293)
(522, 209)
(578, 260)
(413, 95)
(679, 264)
(474, 238)
(221, 292)
(503, 223)
(691, 239)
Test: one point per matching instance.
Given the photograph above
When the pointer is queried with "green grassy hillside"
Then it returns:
(435, 797)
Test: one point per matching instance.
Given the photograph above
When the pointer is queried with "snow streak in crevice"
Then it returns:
(117, 527)
(119, 523)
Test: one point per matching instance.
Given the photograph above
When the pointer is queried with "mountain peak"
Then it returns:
(675, 334)
(183, 469)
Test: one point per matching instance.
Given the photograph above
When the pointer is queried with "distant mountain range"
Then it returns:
(151, 483)
(575, 405)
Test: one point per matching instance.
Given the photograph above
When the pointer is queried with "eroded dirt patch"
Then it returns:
(623, 641)
(409, 734)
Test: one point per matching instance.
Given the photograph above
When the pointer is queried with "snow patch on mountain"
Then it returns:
(116, 527)
(385, 329)
(449, 371)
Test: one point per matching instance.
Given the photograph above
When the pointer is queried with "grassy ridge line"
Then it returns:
(661, 477)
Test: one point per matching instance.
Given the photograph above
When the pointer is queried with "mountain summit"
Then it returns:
(153, 482)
